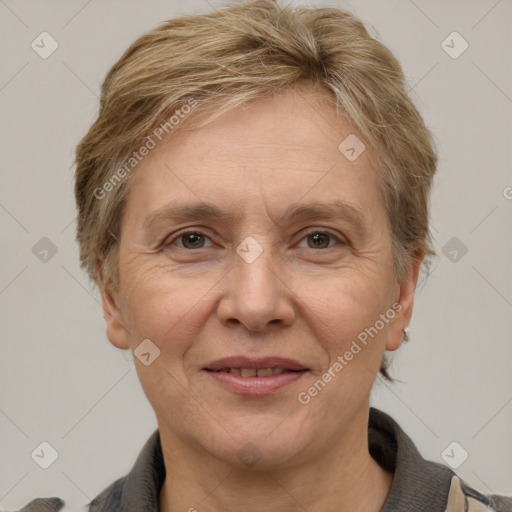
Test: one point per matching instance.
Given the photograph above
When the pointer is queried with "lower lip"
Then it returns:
(255, 386)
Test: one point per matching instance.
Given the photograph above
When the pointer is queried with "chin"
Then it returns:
(261, 446)
(261, 456)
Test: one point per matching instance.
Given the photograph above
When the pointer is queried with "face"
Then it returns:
(274, 276)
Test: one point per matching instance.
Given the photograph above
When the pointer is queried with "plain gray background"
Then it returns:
(60, 379)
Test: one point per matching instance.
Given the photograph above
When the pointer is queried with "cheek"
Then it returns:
(345, 304)
(353, 338)
(160, 307)
(347, 315)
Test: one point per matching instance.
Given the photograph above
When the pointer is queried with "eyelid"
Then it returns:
(186, 231)
(310, 231)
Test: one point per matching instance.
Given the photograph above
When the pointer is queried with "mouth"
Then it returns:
(252, 367)
(255, 377)
(255, 372)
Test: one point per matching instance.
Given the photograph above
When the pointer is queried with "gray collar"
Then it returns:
(418, 484)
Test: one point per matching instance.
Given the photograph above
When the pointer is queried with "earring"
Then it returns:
(407, 334)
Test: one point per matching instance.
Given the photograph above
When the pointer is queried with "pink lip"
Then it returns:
(248, 362)
(255, 386)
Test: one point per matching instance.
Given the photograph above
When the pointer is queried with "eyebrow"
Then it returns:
(180, 212)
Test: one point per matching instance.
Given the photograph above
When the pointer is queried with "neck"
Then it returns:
(344, 478)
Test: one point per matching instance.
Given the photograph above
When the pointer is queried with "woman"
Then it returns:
(253, 205)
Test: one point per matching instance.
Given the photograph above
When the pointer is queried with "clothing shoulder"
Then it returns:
(463, 498)
(137, 490)
(53, 504)
(107, 501)
(418, 483)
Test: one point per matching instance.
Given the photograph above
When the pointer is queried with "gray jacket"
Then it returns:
(418, 485)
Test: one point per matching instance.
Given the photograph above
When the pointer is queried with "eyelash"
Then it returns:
(306, 235)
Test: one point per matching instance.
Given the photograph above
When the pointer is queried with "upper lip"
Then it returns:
(261, 362)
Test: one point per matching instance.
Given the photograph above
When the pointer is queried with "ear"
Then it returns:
(403, 305)
(116, 332)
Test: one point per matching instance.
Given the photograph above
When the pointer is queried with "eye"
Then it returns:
(320, 239)
(196, 240)
(191, 240)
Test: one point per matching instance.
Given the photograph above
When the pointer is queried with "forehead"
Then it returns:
(281, 149)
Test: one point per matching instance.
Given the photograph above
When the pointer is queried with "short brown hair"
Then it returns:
(240, 53)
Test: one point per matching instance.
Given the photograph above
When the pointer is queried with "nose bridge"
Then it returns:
(256, 294)
(255, 276)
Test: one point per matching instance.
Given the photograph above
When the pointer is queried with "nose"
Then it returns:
(256, 295)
